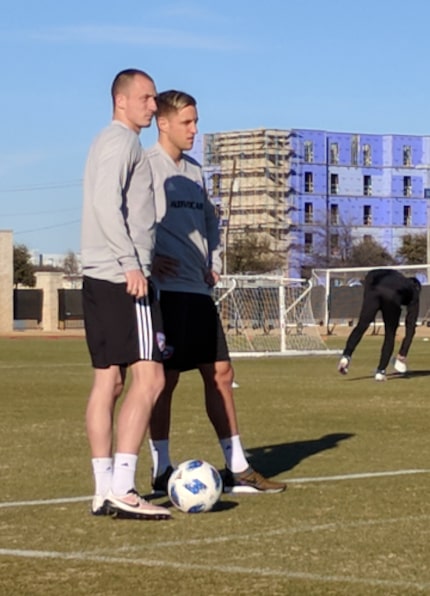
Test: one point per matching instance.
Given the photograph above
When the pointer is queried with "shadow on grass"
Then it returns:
(395, 376)
(218, 507)
(271, 460)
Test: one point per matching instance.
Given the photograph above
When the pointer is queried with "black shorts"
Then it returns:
(119, 328)
(194, 334)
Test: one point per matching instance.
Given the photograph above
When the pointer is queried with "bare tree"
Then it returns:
(71, 264)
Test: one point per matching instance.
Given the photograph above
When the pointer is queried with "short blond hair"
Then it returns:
(173, 101)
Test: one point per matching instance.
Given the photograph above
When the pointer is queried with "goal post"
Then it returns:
(341, 280)
(265, 315)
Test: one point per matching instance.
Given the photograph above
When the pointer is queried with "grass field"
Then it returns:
(355, 454)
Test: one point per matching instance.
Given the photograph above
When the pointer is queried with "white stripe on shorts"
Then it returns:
(144, 328)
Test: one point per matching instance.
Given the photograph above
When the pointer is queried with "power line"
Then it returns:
(66, 223)
(50, 212)
(42, 187)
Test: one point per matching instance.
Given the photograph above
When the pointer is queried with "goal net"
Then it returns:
(343, 290)
(268, 315)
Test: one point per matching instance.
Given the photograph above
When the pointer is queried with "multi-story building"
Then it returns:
(313, 193)
(349, 186)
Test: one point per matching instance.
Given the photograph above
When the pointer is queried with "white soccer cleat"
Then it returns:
(380, 375)
(400, 366)
(133, 506)
(343, 365)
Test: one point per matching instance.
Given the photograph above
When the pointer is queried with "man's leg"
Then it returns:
(369, 308)
(146, 385)
(107, 387)
(239, 477)
(391, 315)
(368, 312)
(159, 433)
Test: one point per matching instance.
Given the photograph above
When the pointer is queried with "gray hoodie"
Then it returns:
(118, 215)
(187, 225)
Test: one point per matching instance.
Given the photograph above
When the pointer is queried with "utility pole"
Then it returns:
(227, 225)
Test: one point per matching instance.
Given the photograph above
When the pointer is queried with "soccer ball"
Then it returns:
(194, 486)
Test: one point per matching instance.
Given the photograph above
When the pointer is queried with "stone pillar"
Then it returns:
(50, 282)
(6, 281)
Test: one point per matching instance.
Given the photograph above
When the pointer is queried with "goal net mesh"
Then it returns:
(268, 315)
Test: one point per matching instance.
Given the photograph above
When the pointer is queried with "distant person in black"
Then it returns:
(386, 290)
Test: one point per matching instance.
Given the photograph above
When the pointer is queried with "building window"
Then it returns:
(334, 184)
(334, 245)
(354, 150)
(334, 215)
(216, 185)
(309, 182)
(407, 215)
(367, 155)
(367, 186)
(308, 242)
(407, 155)
(309, 212)
(407, 186)
(367, 215)
(334, 153)
(309, 151)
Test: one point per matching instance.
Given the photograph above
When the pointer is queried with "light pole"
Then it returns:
(427, 197)
(227, 224)
(426, 167)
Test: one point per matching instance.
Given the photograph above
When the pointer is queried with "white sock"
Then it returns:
(124, 471)
(102, 470)
(160, 456)
(233, 454)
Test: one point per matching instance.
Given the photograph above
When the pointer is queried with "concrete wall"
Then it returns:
(6, 281)
(50, 282)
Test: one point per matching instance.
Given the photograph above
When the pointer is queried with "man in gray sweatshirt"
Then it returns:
(122, 316)
(186, 266)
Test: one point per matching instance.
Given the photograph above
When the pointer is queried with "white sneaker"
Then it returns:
(343, 365)
(380, 375)
(98, 506)
(400, 366)
(133, 506)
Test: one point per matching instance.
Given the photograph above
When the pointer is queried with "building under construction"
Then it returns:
(248, 176)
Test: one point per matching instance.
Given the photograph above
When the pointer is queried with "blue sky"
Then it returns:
(335, 65)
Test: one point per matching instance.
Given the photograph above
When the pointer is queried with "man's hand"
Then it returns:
(212, 278)
(137, 284)
(163, 267)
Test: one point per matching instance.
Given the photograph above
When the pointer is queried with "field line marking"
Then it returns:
(364, 475)
(90, 557)
(355, 476)
(284, 531)
(44, 365)
(44, 502)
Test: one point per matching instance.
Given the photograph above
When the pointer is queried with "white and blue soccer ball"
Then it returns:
(194, 486)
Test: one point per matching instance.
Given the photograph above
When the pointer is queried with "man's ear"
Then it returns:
(120, 100)
(162, 123)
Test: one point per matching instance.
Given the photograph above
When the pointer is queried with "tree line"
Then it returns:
(252, 254)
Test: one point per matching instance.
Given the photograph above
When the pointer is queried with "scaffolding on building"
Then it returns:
(248, 176)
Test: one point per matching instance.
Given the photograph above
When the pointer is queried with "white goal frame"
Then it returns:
(268, 315)
(353, 275)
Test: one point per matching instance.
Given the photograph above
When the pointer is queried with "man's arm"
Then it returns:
(215, 248)
(115, 162)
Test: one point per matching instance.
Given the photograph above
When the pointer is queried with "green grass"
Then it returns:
(300, 421)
